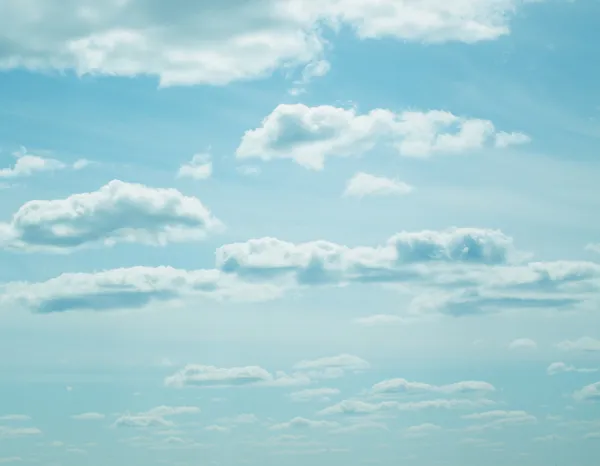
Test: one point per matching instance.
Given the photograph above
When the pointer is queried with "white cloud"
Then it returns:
(588, 393)
(399, 385)
(88, 416)
(217, 428)
(302, 423)
(117, 212)
(594, 247)
(560, 367)
(421, 430)
(156, 417)
(364, 184)
(358, 407)
(28, 164)
(308, 135)
(11, 432)
(314, 394)
(379, 319)
(498, 419)
(312, 70)
(15, 417)
(522, 343)
(584, 344)
(199, 168)
(197, 42)
(195, 375)
(504, 139)
(333, 366)
(80, 164)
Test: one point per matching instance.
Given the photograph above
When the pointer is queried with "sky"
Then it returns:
(290, 232)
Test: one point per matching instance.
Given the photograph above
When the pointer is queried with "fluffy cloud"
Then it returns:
(314, 394)
(364, 184)
(124, 288)
(561, 367)
(199, 168)
(156, 417)
(88, 416)
(358, 407)
(189, 42)
(302, 423)
(522, 343)
(195, 375)
(28, 164)
(393, 386)
(588, 393)
(117, 212)
(584, 344)
(308, 135)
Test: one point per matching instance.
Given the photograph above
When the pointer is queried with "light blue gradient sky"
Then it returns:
(540, 79)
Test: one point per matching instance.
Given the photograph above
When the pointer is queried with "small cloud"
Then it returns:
(594, 247)
(80, 164)
(560, 367)
(199, 168)
(588, 393)
(522, 343)
(363, 185)
(217, 428)
(584, 344)
(88, 417)
(314, 394)
(15, 417)
(248, 170)
(28, 164)
(504, 139)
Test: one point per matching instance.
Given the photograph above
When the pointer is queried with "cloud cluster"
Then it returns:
(188, 42)
(156, 417)
(117, 212)
(309, 135)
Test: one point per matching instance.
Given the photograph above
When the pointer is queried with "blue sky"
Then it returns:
(279, 232)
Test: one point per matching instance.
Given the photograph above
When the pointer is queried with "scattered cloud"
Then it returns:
(88, 416)
(195, 375)
(363, 185)
(309, 135)
(118, 212)
(199, 168)
(588, 393)
(498, 419)
(197, 43)
(560, 367)
(522, 343)
(358, 407)
(398, 385)
(314, 394)
(15, 417)
(583, 344)
(11, 432)
(302, 423)
(333, 366)
(27, 164)
(156, 417)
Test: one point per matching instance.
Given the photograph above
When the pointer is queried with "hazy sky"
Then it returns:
(291, 232)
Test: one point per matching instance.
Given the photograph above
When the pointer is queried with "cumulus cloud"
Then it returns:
(199, 168)
(117, 212)
(504, 139)
(588, 393)
(393, 386)
(364, 184)
(583, 344)
(522, 343)
(314, 394)
(128, 288)
(561, 367)
(309, 135)
(303, 423)
(91, 416)
(196, 375)
(27, 164)
(199, 43)
(156, 417)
